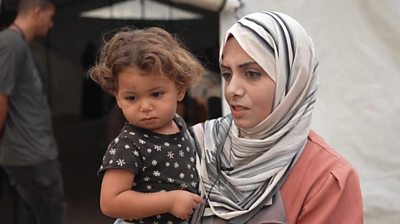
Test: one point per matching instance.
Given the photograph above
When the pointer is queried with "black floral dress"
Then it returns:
(159, 162)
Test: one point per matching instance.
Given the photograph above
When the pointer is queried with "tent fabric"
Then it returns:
(358, 110)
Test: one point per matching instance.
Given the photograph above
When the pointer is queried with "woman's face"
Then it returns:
(248, 90)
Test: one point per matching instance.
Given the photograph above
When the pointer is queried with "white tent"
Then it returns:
(137, 9)
(358, 110)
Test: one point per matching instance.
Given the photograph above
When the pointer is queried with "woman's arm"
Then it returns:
(119, 201)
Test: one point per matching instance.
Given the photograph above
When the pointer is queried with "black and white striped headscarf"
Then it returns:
(261, 157)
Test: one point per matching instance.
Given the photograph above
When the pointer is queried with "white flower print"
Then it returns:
(183, 186)
(154, 162)
(146, 136)
(156, 173)
(176, 165)
(132, 133)
(126, 146)
(194, 184)
(170, 180)
(189, 166)
(179, 145)
(167, 164)
(183, 139)
(157, 147)
(181, 153)
(149, 150)
(146, 179)
(148, 187)
(170, 155)
(112, 151)
(170, 222)
(141, 141)
(192, 159)
(110, 162)
(136, 152)
(182, 175)
(187, 149)
(166, 144)
(116, 140)
(120, 162)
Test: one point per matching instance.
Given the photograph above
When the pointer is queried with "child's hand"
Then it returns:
(183, 203)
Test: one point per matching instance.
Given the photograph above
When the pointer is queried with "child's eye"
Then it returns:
(157, 94)
(131, 98)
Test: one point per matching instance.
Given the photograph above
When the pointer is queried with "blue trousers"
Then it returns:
(39, 193)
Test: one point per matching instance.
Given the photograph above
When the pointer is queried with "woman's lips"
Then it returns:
(238, 111)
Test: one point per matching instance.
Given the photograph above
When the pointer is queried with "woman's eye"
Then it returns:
(252, 74)
(226, 75)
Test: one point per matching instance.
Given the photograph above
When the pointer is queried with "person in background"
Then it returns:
(207, 93)
(262, 163)
(149, 168)
(28, 150)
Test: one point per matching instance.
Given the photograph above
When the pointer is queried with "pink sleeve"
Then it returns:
(337, 200)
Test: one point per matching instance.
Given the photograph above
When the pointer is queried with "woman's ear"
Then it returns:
(181, 92)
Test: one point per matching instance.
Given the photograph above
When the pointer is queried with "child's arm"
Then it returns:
(119, 201)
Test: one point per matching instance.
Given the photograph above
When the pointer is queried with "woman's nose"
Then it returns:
(234, 87)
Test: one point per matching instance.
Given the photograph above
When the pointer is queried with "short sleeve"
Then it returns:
(122, 154)
(8, 65)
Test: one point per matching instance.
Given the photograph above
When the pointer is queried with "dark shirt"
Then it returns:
(159, 162)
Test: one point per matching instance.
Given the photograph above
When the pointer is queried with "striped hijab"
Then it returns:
(243, 169)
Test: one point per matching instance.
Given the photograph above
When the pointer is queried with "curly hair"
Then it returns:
(152, 50)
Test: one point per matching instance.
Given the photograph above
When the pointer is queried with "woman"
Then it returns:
(262, 163)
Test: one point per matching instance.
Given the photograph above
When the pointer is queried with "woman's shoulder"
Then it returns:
(321, 178)
(319, 163)
(318, 151)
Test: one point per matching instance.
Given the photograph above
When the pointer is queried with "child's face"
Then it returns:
(148, 101)
(248, 90)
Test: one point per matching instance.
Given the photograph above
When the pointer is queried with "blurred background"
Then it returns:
(85, 117)
(357, 111)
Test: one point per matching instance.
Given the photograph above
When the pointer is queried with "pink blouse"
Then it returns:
(322, 187)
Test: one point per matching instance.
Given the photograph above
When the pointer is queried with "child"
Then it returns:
(149, 168)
